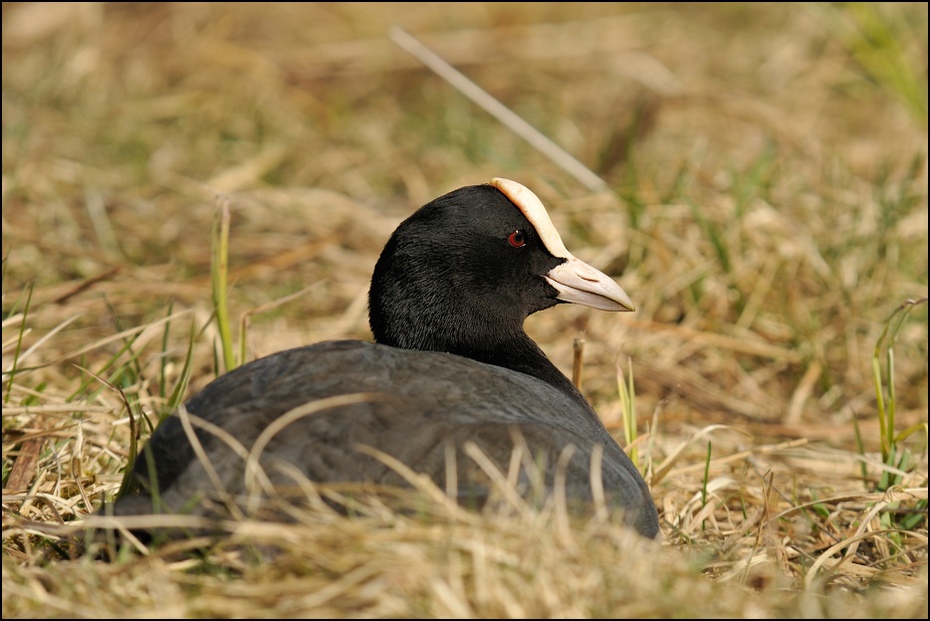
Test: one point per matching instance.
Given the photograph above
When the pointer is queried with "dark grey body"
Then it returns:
(419, 402)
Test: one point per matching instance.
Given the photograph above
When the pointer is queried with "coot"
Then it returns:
(450, 365)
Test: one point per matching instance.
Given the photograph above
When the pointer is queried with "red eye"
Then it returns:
(517, 239)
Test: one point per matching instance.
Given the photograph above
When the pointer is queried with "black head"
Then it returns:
(463, 273)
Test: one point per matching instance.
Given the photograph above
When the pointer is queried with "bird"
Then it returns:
(450, 367)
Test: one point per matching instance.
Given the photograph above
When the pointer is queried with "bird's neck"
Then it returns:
(523, 355)
(515, 351)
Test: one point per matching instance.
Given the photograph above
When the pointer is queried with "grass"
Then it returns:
(766, 209)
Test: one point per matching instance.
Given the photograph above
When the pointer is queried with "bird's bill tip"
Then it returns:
(579, 283)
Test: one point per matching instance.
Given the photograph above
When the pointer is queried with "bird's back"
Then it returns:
(411, 405)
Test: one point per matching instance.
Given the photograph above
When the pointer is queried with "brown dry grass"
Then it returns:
(768, 213)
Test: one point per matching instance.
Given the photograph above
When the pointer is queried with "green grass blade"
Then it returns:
(627, 392)
(219, 275)
(19, 345)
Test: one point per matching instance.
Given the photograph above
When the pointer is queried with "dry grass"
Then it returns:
(767, 214)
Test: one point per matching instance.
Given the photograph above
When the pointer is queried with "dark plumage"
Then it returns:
(451, 364)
